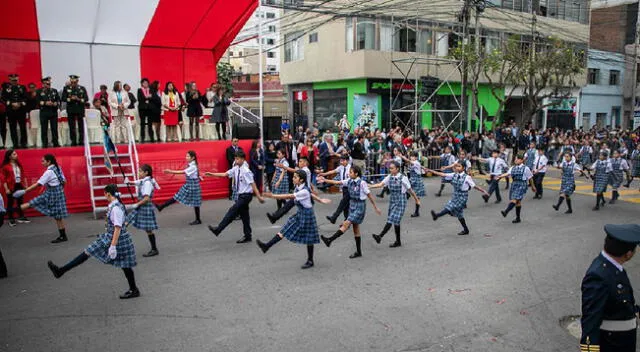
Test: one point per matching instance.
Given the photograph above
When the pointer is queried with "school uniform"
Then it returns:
(302, 227)
(529, 157)
(505, 156)
(495, 167)
(539, 165)
(52, 201)
(461, 183)
(358, 191)
(635, 160)
(415, 178)
(618, 167)
(99, 249)
(446, 159)
(242, 181)
(190, 193)
(586, 156)
(144, 217)
(283, 188)
(290, 203)
(520, 174)
(342, 173)
(602, 169)
(398, 187)
(568, 183)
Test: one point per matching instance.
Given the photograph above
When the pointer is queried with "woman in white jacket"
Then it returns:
(119, 101)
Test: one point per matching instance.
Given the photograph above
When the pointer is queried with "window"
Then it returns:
(405, 40)
(592, 76)
(386, 36)
(271, 15)
(601, 119)
(586, 120)
(231, 53)
(491, 41)
(293, 47)
(313, 38)
(271, 29)
(614, 77)
(348, 34)
(271, 41)
(328, 107)
(271, 68)
(425, 41)
(366, 35)
(271, 54)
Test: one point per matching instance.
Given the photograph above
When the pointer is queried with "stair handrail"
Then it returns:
(89, 162)
(133, 151)
(243, 110)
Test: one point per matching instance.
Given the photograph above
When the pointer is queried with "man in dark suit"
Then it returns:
(48, 102)
(231, 155)
(75, 96)
(144, 109)
(609, 311)
(15, 97)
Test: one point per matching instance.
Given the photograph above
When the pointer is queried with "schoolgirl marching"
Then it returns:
(190, 194)
(521, 176)
(601, 168)
(415, 179)
(568, 183)
(143, 216)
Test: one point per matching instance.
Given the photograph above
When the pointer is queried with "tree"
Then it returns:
(225, 72)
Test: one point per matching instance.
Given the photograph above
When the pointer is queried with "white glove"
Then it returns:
(113, 253)
(18, 194)
(134, 206)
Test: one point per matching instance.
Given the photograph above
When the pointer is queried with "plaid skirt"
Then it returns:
(143, 218)
(397, 206)
(301, 227)
(616, 178)
(417, 185)
(567, 188)
(51, 202)
(635, 170)
(600, 181)
(518, 190)
(357, 210)
(190, 193)
(284, 184)
(126, 257)
(456, 204)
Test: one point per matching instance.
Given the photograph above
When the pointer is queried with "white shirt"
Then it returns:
(569, 164)
(540, 163)
(496, 166)
(192, 170)
(526, 176)
(606, 162)
(623, 164)
(608, 257)
(49, 177)
(416, 167)
(406, 185)
(116, 215)
(16, 172)
(364, 188)
(466, 185)
(284, 163)
(449, 157)
(303, 196)
(146, 185)
(343, 172)
(308, 172)
(242, 179)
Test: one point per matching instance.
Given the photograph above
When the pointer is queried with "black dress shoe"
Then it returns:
(498, 201)
(159, 207)
(463, 233)
(151, 253)
(271, 218)
(556, 207)
(195, 222)
(380, 195)
(57, 273)
(355, 255)
(244, 240)
(331, 220)
(130, 294)
(516, 220)
(377, 238)
(486, 198)
(326, 241)
(263, 246)
(596, 208)
(214, 230)
(60, 239)
(504, 213)
(434, 216)
(415, 215)
(439, 194)
(307, 265)
(569, 211)
(395, 244)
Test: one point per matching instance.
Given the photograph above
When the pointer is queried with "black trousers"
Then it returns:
(537, 181)
(288, 205)
(18, 118)
(343, 207)
(494, 186)
(76, 128)
(145, 120)
(13, 204)
(48, 119)
(3, 265)
(3, 128)
(240, 207)
(257, 177)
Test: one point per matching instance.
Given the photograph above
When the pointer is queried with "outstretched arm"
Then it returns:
(373, 203)
(256, 192)
(216, 174)
(174, 172)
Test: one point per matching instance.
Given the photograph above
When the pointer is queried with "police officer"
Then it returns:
(48, 102)
(75, 96)
(609, 311)
(15, 97)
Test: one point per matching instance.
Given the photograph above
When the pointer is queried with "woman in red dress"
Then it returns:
(171, 106)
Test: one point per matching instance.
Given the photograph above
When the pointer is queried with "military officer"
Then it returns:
(48, 102)
(609, 311)
(15, 97)
(75, 96)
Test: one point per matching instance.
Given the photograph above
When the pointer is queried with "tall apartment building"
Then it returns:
(344, 66)
(243, 54)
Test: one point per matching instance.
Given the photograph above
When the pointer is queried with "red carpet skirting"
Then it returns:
(161, 156)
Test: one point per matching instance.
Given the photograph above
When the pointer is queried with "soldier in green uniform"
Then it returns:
(75, 96)
(609, 311)
(48, 102)
(15, 97)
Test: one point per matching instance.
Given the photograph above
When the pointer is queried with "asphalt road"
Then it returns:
(505, 287)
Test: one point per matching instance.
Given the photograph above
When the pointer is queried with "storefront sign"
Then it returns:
(636, 119)
(365, 108)
(300, 95)
(382, 87)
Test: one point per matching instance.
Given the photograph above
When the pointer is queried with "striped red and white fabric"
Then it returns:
(107, 40)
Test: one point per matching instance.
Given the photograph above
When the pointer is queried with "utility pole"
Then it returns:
(474, 97)
(465, 68)
(532, 57)
(634, 83)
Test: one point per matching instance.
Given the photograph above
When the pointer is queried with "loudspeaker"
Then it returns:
(271, 126)
(246, 131)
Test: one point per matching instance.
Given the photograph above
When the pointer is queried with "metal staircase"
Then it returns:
(100, 177)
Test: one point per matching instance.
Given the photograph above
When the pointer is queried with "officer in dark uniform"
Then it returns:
(48, 102)
(3, 116)
(15, 97)
(609, 311)
(75, 96)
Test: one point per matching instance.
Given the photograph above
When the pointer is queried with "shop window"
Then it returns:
(328, 107)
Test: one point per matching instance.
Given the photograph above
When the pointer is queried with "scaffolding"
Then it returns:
(420, 67)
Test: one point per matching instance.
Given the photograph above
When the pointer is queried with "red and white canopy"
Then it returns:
(107, 40)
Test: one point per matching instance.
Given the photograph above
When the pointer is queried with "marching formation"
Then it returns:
(115, 245)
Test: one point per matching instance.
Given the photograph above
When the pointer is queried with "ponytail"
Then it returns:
(112, 189)
(193, 155)
(52, 161)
